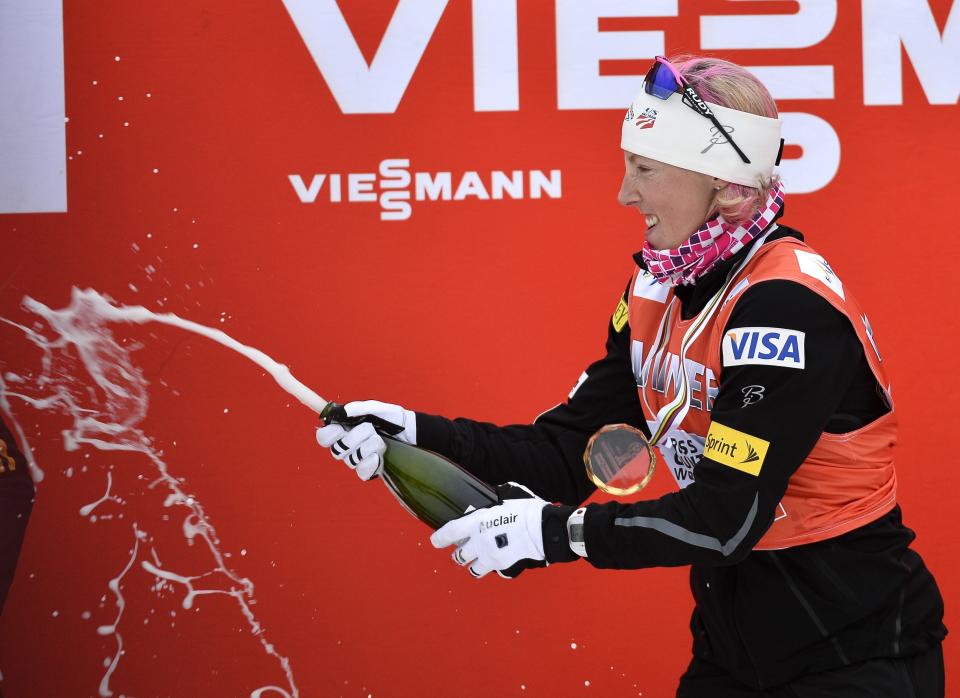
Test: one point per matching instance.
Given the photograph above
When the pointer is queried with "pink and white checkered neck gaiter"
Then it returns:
(713, 242)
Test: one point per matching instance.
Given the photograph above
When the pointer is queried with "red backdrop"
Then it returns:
(480, 308)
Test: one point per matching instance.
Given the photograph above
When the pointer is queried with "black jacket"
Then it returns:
(764, 617)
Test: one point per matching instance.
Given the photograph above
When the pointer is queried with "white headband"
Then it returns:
(669, 131)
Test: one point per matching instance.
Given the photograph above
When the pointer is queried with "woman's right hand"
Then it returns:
(361, 447)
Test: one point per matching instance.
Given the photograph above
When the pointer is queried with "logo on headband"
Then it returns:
(647, 119)
(717, 138)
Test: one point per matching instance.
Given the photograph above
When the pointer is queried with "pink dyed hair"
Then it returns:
(729, 85)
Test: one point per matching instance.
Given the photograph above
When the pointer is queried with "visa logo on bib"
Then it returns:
(764, 346)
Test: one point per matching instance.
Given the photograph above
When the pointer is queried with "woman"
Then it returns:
(779, 427)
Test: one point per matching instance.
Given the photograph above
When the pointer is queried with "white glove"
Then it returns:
(360, 446)
(498, 537)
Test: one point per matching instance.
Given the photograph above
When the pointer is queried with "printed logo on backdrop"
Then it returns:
(33, 155)
(891, 31)
(396, 188)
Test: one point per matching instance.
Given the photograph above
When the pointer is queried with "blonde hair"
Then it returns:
(729, 85)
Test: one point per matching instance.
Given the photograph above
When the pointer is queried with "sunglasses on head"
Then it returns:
(664, 80)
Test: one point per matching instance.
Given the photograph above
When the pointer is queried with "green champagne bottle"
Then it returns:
(432, 488)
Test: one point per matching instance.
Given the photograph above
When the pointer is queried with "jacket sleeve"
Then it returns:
(718, 518)
(546, 456)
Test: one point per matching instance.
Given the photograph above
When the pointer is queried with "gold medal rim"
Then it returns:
(610, 489)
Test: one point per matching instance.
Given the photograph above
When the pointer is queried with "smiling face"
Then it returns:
(674, 201)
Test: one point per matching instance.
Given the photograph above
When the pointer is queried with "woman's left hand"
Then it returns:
(505, 537)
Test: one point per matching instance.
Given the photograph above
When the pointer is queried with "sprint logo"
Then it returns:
(765, 346)
(735, 449)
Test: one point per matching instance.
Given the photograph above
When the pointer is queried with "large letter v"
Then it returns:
(357, 87)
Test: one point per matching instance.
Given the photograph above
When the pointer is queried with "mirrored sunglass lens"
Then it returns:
(660, 82)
